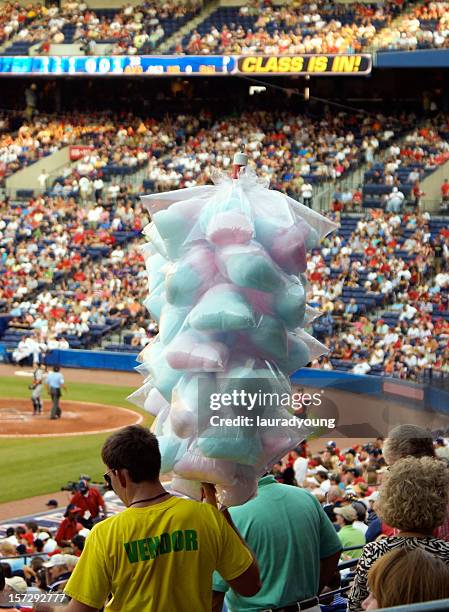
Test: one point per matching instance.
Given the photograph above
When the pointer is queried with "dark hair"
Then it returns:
(32, 526)
(39, 545)
(20, 530)
(9, 532)
(2, 578)
(6, 570)
(78, 541)
(136, 449)
(21, 549)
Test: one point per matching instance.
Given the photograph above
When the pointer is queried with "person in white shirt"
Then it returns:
(300, 468)
(362, 367)
(307, 194)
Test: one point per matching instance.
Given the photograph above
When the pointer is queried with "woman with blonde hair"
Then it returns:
(400, 578)
(413, 500)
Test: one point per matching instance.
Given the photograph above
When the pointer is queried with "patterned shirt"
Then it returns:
(374, 550)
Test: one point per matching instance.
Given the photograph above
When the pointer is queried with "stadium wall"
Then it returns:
(414, 395)
(29, 175)
(431, 186)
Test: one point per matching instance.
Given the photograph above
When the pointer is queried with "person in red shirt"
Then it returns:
(69, 527)
(445, 193)
(89, 500)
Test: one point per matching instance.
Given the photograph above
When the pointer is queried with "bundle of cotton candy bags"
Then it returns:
(226, 267)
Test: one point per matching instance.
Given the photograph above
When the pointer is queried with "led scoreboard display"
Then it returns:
(187, 65)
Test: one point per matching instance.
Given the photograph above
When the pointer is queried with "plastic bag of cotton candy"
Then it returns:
(226, 267)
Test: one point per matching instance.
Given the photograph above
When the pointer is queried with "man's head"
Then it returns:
(58, 564)
(72, 512)
(78, 543)
(56, 368)
(83, 487)
(407, 441)
(52, 503)
(132, 457)
(346, 515)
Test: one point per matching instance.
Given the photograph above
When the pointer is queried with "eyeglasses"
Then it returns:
(108, 480)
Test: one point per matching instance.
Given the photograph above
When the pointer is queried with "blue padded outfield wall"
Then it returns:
(414, 395)
(421, 58)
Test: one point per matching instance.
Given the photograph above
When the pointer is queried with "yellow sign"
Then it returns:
(305, 64)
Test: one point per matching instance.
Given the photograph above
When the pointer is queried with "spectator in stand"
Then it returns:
(58, 571)
(69, 527)
(410, 440)
(445, 194)
(413, 499)
(442, 449)
(302, 537)
(89, 500)
(349, 536)
(133, 461)
(401, 578)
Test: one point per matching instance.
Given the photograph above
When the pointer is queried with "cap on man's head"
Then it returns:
(17, 584)
(72, 509)
(56, 561)
(52, 503)
(347, 512)
(322, 469)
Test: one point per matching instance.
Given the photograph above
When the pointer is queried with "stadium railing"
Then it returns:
(428, 606)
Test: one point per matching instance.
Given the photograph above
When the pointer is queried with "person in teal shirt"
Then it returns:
(349, 536)
(294, 542)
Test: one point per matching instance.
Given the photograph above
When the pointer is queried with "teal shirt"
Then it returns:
(289, 533)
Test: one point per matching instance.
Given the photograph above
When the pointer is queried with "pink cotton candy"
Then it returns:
(229, 227)
(288, 248)
(191, 352)
(261, 301)
(195, 466)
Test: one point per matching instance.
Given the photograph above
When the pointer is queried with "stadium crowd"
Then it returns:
(403, 265)
(310, 27)
(379, 503)
(131, 29)
(90, 212)
(423, 26)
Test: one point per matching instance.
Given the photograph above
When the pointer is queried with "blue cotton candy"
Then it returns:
(290, 304)
(156, 275)
(155, 302)
(171, 321)
(173, 230)
(255, 381)
(265, 231)
(312, 239)
(182, 285)
(190, 411)
(270, 337)
(222, 308)
(164, 377)
(250, 267)
(211, 209)
(244, 449)
(172, 449)
(298, 355)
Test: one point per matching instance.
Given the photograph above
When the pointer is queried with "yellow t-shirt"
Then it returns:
(158, 559)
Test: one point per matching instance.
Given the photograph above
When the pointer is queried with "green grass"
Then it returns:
(36, 466)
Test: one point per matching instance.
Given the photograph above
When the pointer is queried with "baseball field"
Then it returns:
(38, 465)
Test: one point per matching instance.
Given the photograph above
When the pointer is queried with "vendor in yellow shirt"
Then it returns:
(159, 554)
